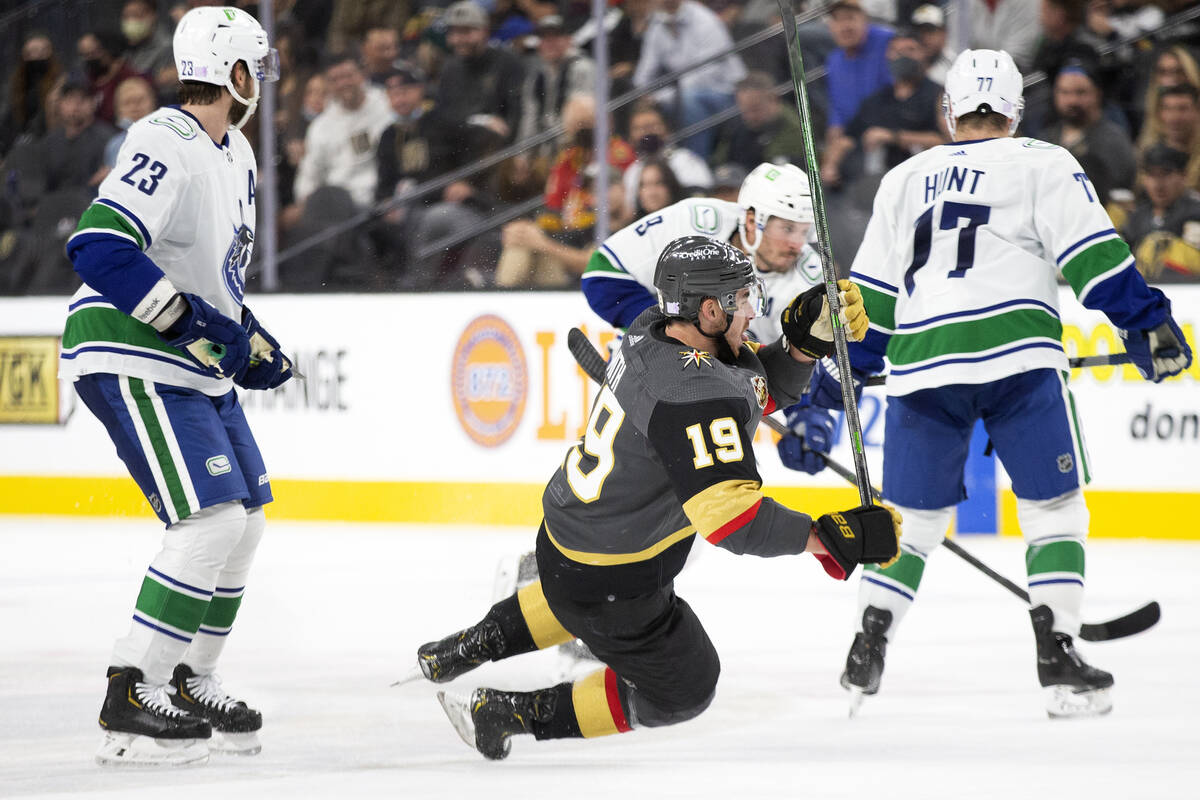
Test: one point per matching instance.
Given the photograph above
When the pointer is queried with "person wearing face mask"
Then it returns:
(552, 250)
(28, 90)
(648, 133)
(135, 99)
(557, 71)
(149, 46)
(902, 119)
(101, 55)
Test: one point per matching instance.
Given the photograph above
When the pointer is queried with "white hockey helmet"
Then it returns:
(983, 78)
(209, 40)
(773, 190)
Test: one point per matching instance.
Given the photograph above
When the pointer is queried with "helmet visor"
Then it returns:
(266, 69)
(749, 301)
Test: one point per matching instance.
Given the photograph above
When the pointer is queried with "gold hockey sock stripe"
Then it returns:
(598, 705)
(543, 626)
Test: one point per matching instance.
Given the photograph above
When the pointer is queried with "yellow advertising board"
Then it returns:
(29, 379)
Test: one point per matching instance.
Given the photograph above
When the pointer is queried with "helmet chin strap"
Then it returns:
(251, 104)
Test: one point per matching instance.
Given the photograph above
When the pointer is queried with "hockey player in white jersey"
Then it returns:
(155, 340)
(958, 269)
(771, 222)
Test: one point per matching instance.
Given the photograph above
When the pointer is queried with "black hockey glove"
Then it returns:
(863, 535)
(204, 334)
(807, 325)
(269, 367)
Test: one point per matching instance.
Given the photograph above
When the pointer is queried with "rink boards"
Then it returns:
(455, 408)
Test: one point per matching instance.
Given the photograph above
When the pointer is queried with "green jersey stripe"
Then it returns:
(974, 336)
(95, 323)
(163, 604)
(907, 570)
(1060, 556)
(101, 216)
(222, 611)
(600, 263)
(1090, 263)
(880, 307)
(162, 451)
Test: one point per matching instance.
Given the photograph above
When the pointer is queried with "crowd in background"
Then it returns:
(380, 97)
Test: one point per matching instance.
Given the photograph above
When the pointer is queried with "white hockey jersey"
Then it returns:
(959, 262)
(632, 254)
(189, 204)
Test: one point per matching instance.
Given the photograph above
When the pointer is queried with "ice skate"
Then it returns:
(864, 662)
(489, 718)
(144, 728)
(1073, 687)
(443, 661)
(234, 724)
(513, 572)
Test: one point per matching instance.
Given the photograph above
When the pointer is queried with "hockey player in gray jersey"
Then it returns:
(958, 270)
(666, 457)
(155, 341)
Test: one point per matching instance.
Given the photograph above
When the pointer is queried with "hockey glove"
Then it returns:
(218, 344)
(807, 324)
(811, 434)
(863, 535)
(1160, 352)
(824, 388)
(269, 367)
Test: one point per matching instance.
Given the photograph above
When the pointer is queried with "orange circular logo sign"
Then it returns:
(489, 380)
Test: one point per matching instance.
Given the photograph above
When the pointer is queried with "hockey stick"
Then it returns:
(861, 479)
(594, 366)
(1078, 362)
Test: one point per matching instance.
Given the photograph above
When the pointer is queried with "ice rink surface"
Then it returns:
(334, 612)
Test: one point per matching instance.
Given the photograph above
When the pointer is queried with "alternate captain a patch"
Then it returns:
(694, 358)
(760, 390)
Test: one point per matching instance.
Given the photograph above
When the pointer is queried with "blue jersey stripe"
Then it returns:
(166, 359)
(954, 314)
(977, 359)
(83, 301)
(888, 586)
(604, 248)
(1049, 581)
(180, 584)
(887, 287)
(213, 631)
(1082, 242)
(161, 629)
(132, 218)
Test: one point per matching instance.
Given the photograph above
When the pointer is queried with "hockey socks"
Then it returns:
(893, 588)
(1055, 567)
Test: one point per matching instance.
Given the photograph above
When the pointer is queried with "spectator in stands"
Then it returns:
(71, 155)
(648, 133)
(1103, 149)
(557, 72)
(1009, 25)
(1164, 228)
(381, 46)
(764, 130)
(353, 19)
(106, 67)
(727, 182)
(682, 33)
(1176, 123)
(626, 26)
(480, 85)
(1171, 66)
(1065, 37)
(929, 24)
(135, 99)
(855, 70)
(340, 146)
(903, 119)
(149, 48)
(29, 86)
(657, 188)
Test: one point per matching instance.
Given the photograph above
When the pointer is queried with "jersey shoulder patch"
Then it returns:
(177, 123)
(1038, 144)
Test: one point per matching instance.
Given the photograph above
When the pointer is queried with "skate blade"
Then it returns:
(458, 710)
(235, 744)
(413, 674)
(1063, 702)
(133, 750)
(856, 700)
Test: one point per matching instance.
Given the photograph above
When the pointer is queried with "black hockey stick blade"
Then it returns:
(586, 356)
(1144, 618)
(1075, 362)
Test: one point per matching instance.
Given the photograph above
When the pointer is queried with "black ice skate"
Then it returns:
(144, 728)
(864, 662)
(489, 718)
(234, 724)
(1074, 688)
(461, 652)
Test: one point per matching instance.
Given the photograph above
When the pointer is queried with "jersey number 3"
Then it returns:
(154, 174)
(952, 213)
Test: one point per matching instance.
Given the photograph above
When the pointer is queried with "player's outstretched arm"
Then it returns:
(863, 535)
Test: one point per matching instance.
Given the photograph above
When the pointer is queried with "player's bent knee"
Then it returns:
(924, 528)
(646, 714)
(1065, 515)
(210, 534)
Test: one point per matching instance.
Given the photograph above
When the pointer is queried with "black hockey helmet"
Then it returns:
(692, 268)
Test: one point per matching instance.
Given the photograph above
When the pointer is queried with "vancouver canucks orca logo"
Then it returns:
(237, 258)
